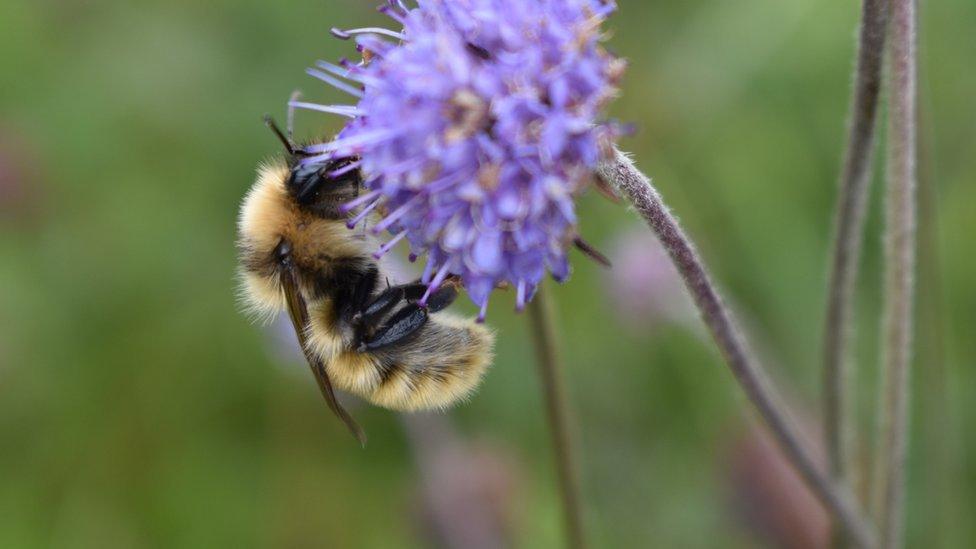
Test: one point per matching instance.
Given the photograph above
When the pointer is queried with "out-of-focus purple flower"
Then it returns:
(468, 488)
(643, 284)
(21, 180)
(768, 495)
(476, 127)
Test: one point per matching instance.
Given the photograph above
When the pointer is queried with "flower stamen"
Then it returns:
(356, 140)
(345, 169)
(392, 217)
(334, 82)
(389, 245)
(347, 34)
(520, 295)
(348, 70)
(482, 312)
(361, 199)
(343, 110)
(362, 215)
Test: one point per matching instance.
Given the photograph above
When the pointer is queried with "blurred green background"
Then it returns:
(139, 408)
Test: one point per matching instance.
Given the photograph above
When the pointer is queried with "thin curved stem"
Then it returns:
(899, 275)
(635, 186)
(853, 184)
(557, 413)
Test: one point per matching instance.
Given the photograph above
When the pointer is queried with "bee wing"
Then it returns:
(298, 312)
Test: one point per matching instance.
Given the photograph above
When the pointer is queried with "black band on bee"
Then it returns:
(304, 182)
(346, 282)
(323, 187)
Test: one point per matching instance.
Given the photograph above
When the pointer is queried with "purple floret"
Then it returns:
(477, 125)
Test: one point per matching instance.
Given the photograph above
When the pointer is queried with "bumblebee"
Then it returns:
(358, 332)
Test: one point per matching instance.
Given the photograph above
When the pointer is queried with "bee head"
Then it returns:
(319, 187)
(322, 188)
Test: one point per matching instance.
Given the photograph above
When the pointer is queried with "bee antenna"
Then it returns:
(269, 122)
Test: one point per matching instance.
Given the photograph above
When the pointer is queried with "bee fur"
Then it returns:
(401, 356)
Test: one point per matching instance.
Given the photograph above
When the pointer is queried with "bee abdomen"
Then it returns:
(441, 366)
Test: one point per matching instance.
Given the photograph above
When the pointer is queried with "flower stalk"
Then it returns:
(899, 275)
(543, 331)
(633, 185)
(853, 185)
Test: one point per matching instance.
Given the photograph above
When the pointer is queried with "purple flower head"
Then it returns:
(476, 127)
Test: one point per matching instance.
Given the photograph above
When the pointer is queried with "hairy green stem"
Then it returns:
(853, 184)
(557, 414)
(899, 273)
(630, 183)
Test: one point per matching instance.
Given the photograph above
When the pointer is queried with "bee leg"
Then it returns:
(394, 294)
(368, 319)
(400, 327)
(442, 298)
(373, 311)
(414, 291)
